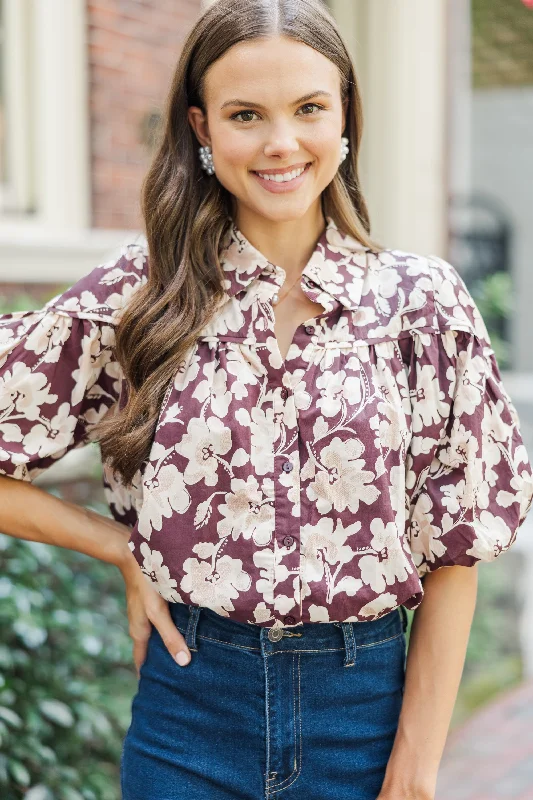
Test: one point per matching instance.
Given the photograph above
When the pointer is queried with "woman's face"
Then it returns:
(273, 106)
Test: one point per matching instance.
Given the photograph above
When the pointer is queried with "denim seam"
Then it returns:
(293, 650)
(222, 641)
(280, 783)
(190, 635)
(381, 641)
(331, 649)
(349, 644)
(279, 787)
(267, 697)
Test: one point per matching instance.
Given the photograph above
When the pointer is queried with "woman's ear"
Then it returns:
(198, 122)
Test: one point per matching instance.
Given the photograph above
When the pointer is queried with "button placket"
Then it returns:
(287, 524)
(286, 453)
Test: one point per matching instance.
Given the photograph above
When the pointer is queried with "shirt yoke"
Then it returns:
(430, 291)
(426, 291)
(103, 293)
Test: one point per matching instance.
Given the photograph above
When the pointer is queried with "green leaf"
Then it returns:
(71, 794)
(57, 712)
(9, 716)
(19, 772)
(38, 792)
(46, 755)
(31, 634)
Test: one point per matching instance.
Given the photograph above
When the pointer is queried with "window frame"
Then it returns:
(16, 192)
(47, 115)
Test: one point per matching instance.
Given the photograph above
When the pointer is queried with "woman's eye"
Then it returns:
(311, 105)
(238, 114)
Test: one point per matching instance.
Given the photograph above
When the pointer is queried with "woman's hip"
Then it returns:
(311, 715)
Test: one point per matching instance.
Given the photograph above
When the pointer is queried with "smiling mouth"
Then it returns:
(284, 177)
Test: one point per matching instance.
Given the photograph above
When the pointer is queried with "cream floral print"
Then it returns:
(316, 488)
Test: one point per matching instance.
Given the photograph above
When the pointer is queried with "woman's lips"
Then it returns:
(280, 187)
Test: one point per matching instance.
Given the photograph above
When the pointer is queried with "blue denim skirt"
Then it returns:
(309, 712)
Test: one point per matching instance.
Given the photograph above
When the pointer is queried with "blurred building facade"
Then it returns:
(81, 87)
(447, 93)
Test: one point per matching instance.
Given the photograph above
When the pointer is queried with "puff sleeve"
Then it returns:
(468, 477)
(58, 374)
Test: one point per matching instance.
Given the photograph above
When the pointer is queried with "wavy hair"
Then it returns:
(187, 214)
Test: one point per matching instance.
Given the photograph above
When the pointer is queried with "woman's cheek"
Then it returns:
(237, 152)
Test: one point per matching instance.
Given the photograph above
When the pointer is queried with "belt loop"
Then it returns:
(349, 644)
(190, 636)
(405, 618)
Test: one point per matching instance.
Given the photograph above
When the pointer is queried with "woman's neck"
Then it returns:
(287, 243)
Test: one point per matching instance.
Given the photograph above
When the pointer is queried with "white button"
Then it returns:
(275, 298)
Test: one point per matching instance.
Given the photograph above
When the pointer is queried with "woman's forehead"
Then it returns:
(279, 67)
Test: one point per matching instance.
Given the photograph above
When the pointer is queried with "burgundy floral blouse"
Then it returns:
(318, 488)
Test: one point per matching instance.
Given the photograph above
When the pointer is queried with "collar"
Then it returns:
(337, 264)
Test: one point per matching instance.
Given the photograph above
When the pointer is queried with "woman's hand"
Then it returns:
(146, 607)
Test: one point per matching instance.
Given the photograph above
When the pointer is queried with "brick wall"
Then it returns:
(133, 48)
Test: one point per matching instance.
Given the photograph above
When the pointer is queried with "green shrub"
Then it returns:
(494, 298)
(66, 674)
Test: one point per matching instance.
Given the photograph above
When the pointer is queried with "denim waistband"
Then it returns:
(199, 622)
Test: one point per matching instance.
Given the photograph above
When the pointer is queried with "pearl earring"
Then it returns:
(206, 159)
(345, 148)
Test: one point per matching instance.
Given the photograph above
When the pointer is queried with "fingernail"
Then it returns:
(182, 658)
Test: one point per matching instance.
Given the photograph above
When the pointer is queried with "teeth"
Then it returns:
(287, 176)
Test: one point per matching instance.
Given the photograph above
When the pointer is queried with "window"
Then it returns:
(3, 165)
(15, 65)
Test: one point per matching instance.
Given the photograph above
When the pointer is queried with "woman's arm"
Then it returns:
(435, 659)
(28, 512)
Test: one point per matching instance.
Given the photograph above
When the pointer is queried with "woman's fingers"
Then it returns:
(171, 636)
(139, 654)
(140, 629)
(146, 607)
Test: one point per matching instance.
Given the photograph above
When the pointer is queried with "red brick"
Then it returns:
(132, 48)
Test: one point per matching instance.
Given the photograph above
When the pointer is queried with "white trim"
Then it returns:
(348, 18)
(17, 195)
(61, 122)
(48, 112)
(460, 97)
(399, 49)
(49, 132)
(46, 256)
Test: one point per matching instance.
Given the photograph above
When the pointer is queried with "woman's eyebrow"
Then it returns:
(237, 102)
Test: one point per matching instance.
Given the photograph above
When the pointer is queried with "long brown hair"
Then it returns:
(187, 216)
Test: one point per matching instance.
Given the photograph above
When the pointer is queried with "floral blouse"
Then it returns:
(318, 488)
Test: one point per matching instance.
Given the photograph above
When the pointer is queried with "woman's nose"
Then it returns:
(281, 141)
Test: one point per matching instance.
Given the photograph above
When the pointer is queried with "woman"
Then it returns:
(298, 428)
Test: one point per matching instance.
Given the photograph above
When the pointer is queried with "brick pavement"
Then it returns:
(490, 757)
